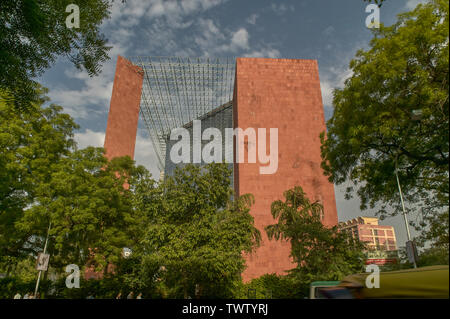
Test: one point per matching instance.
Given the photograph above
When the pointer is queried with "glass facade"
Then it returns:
(220, 118)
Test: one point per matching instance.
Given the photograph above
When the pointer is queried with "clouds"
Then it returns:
(239, 40)
(92, 97)
(137, 27)
(334, 76)
(144, 154)
(173, 12)
(328, 31)
(265, 52)
(89, 138)
(212, 40)
(331, 78)
(412, 4)
(252, 18)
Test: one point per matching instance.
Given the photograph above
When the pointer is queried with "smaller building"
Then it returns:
(380, 239)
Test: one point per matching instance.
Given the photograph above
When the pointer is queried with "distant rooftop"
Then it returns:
(360, 220)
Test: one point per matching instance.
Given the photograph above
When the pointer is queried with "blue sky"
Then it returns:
(330, 31)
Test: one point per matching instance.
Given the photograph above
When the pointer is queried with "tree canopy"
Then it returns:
(395, 109)
(196, 233)
(30, 144)
(33, 34)
(321, 253)
(47, 183)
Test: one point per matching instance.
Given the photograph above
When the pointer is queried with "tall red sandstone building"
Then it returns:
(242, 93)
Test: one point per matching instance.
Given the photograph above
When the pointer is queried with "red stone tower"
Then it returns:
(283, 94)
(120, 137)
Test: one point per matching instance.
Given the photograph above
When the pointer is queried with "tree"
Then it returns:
(196, 235)
(436, 233)
(321, 253)
(87, 208)
(433, 256)
(394, 111)
(30, 144)
(76, 196)
(34, 33)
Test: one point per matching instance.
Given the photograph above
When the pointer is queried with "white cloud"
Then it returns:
(89, 138)
(327, 92)
(144, 154)
(335, 76)
(93, 97)
(412, 4)
(328, 31)
(239, 40)
(213, 41)
(331, 79)
(252, 18)
(263, 53)
(173, 10)
(210, 35)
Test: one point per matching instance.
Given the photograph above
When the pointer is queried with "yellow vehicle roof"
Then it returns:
(424, 282)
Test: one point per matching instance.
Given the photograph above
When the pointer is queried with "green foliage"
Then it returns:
(106, 288)
(21, 268)
(9, 286)
(433, 256)
(395, 107)
(273, 286)
(91, 214)
(30, 144)
(437, 231)
(321, 253)
(33, 34)
(46, 183)
(195, 236)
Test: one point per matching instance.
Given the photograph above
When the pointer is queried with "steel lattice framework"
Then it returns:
(178, 90)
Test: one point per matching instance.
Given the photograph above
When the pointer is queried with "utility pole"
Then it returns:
(45, 250)
(409, 243)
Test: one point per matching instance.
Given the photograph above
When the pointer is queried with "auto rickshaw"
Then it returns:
(425, 282)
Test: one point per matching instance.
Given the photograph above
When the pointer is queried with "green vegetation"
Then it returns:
(395, 108)
(195, 236)
(273, 286)
(31, 144)
(33, 34)
(320, 252)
